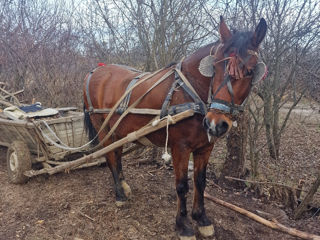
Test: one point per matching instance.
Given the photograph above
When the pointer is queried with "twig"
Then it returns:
(272, 224)
(214, 184)
(267, 183)
(85, 215)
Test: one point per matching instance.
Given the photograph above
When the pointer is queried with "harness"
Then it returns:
(198, 106)
(232, 68)
(180, 81)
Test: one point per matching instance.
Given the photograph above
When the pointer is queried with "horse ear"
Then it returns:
(224, 31)
(259, 33)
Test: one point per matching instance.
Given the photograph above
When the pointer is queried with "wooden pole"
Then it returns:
(16, 101)
(303, 205)
(5, 103)
(272, 224)
(131, 137)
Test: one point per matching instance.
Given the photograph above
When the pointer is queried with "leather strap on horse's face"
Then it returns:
(233, 69)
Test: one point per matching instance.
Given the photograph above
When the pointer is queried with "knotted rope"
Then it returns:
(166, 156)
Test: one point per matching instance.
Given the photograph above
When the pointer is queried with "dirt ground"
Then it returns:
(80, 204)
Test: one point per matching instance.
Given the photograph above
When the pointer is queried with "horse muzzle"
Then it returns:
(215, 129)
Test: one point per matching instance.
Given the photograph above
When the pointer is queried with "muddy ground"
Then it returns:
(80, 204)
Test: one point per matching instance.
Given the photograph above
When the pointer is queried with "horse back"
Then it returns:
(107, 85)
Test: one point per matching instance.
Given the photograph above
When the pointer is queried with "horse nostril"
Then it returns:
(222, 127)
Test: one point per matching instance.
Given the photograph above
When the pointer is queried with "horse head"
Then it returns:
(234, 61)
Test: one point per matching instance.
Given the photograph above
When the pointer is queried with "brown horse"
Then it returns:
(221, 75)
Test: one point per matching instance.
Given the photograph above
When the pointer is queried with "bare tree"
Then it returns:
(290, 44)
(40, 52)
(148, 33)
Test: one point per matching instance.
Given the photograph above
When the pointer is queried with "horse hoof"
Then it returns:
(121, 204)
(126, 189)
(187, 237)
(206, 231)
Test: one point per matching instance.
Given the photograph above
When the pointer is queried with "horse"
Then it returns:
(220, 77)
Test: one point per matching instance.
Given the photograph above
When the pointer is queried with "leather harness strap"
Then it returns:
(181, 81)
(125, 102)
(221, 105)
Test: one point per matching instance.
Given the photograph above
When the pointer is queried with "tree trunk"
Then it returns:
(303, 205)
(253, 131)
(268, 116)
(275, 128)
(236, 147)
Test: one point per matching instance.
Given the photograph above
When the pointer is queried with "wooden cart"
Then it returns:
(34, 147)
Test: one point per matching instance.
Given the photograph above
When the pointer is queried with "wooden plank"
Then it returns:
(16, 123)
(66, 128)
(73, 133)
(8, 136)
(64, 138)
(133, 111)
(63, 133)
(2, 136)
(84, 137)
(10, 133)
(67, 109)
(5, 144)
(19, 135)
(64, 119)
(32, 136)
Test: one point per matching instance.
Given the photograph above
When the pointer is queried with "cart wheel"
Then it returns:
(18, 161)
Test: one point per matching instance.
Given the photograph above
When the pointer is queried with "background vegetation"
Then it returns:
(47, 47)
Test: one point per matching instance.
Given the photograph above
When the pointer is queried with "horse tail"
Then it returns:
(90, 130)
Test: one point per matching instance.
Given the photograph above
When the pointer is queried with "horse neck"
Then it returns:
(190, 69)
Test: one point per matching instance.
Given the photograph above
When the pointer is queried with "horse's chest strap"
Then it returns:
(198, 106)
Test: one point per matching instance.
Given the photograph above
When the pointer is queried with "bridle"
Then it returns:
(232, 70)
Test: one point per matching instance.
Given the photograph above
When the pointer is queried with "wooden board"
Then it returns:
(70, 130)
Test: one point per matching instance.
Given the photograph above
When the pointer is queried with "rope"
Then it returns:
(166, 156)
(61, 145)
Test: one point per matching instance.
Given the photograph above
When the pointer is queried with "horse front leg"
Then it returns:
(122, 189)
(180, 163)
(201, 158)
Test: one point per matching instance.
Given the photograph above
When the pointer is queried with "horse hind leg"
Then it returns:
(201, 158)
(122, 189)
